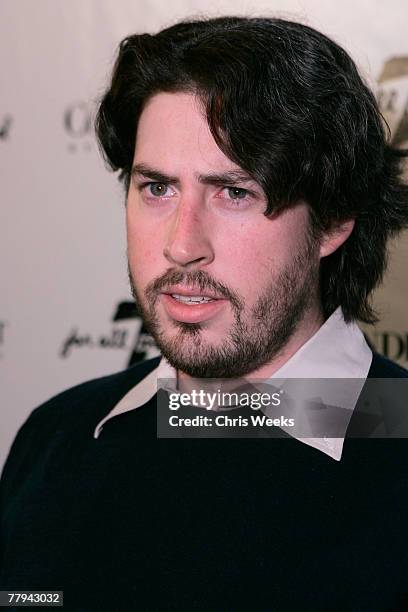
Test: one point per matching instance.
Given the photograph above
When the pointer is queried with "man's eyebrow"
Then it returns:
(153, 174)
(231, 178)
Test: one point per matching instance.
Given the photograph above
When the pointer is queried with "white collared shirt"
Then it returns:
(336, 351)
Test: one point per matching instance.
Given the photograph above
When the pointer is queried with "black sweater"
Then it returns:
(131, 522)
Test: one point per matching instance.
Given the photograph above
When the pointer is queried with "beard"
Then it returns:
(253, 340)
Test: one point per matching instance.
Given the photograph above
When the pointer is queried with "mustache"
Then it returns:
(198, 278)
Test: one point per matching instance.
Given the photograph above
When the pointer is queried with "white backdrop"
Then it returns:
(62, 231)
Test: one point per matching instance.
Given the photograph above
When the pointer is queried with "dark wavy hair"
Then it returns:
(287, 105)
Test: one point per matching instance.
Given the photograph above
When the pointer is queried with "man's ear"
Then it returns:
(334, 237)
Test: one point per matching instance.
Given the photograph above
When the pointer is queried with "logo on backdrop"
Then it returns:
(393, 98)
(391, 344)
(6, 122)
(137, 345)
(142, 346)
(393, 103)
(78, 126)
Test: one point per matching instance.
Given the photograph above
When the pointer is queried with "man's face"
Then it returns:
(196, 231)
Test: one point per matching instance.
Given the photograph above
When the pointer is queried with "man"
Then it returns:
(260, 194)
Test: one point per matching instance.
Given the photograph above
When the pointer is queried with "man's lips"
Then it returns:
(191, 313)
(191, 291)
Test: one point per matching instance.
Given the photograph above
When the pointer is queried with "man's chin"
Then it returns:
(188, 351)
(184, 344)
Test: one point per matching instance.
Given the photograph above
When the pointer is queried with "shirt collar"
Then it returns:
(337, 350)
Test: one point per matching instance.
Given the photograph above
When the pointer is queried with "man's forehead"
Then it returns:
(170, 114)
(173, 104)
(173, 138)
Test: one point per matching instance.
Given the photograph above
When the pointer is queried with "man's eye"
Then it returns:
(236, 193)
(157, 189)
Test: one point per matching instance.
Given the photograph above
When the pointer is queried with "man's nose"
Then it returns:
(188, 243)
